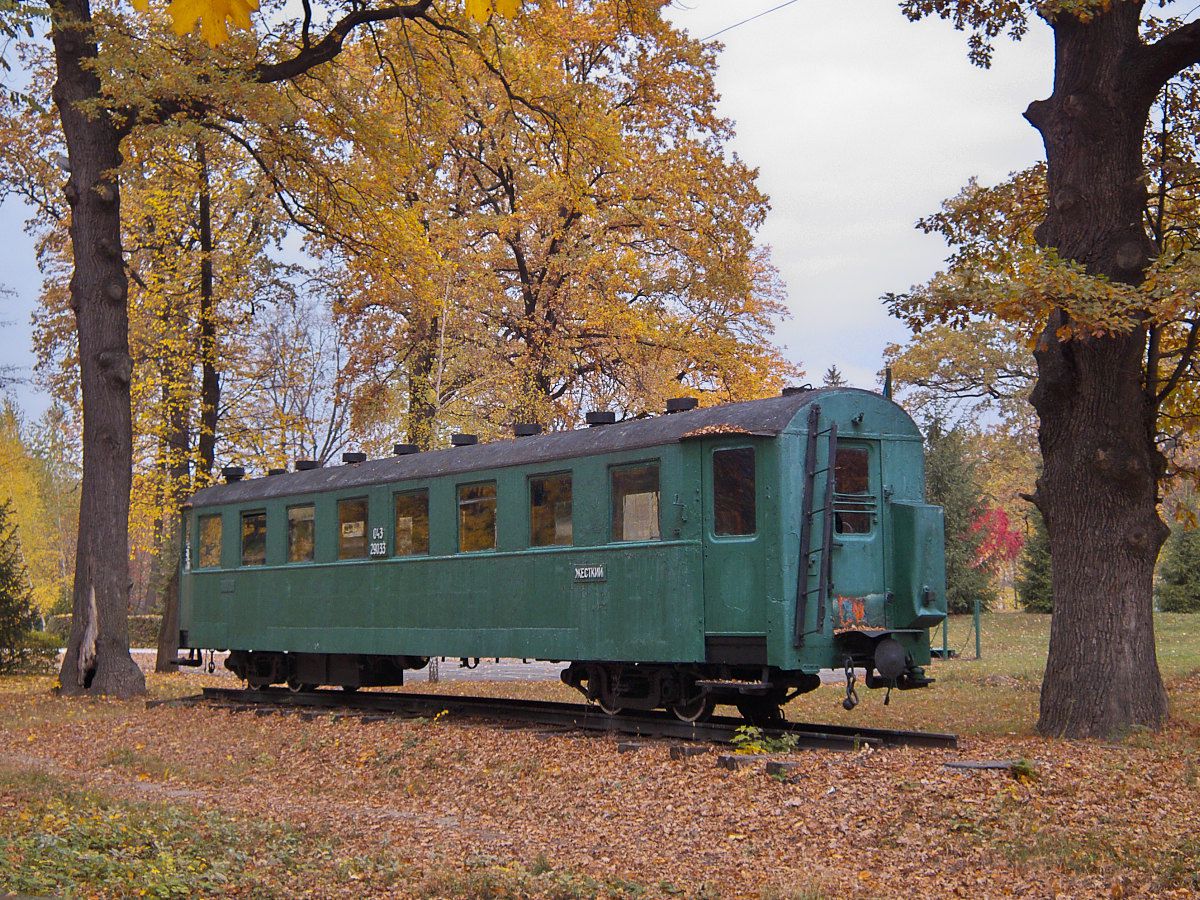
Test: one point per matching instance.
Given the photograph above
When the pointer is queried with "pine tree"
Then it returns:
(1178, 587)
(18, 616)
(833, 377)
(1034, 591)
(952, 483)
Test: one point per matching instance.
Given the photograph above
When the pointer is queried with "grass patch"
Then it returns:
(144, 765)
(58, 841)
(998, 694)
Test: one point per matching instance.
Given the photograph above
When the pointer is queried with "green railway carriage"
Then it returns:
(725, 554)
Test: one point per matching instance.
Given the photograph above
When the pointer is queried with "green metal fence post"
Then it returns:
(978, 642)
(945, 638)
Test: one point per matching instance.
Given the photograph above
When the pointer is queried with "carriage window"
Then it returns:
(210, 542)
(733, 491)
(412, 523)
(853, 504)
(254, 538)
(352, 528)
(301, 534)
(476, 517)
(550, 510)
(635, 503)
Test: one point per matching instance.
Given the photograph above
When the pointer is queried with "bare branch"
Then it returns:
(326, 49)
(1170, 55)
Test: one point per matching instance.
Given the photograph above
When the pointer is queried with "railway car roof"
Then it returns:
(766, 417)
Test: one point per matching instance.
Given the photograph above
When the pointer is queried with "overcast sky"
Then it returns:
(859, 122)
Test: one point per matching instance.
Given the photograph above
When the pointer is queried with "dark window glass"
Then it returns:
(302, 534)
(352, 528)
(853, 504)
(210, 542)
(254, 538)
(733, 491)
(476, 517)
(550, 510)
(412, 523)
(635, 503)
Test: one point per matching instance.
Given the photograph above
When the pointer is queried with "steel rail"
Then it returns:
(579, 716)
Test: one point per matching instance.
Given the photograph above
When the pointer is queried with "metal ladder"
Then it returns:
(824, 558)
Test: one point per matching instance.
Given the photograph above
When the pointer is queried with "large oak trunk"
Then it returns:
(97, 658)
(1101, 467)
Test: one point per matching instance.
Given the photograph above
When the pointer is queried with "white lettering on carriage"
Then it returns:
(589, 573)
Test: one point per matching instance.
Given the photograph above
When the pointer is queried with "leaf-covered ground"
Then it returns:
(107, 797)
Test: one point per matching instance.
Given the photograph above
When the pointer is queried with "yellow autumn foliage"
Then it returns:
(215, 16)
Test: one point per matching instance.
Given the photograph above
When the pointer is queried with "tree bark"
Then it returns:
(422, 389)
(179, 480)
(97, 658)
(210, 384)
(1101, 465)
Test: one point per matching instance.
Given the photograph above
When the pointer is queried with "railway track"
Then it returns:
(571, 716)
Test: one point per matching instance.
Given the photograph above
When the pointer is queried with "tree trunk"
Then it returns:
(97, 658)
(210, 384)
(168, 628)
(422, 387)
(1101, 466)
(179, 477)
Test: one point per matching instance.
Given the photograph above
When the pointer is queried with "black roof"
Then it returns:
(759, 417)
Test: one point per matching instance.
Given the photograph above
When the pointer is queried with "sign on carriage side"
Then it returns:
(589, 573)
(378, 545)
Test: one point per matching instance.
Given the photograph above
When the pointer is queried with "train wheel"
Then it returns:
(609, 706)
(300, 687)
(257, 684)
(697, 709)
(349, 688)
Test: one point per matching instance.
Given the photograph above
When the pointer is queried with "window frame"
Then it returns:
(366, 522)
(288, 549)
(734, 535)
(544, 476)
(186, 542)
(495, 499)
(243, 515)
(656, 464)
(870, 496)
(396, 495)
(200, 519)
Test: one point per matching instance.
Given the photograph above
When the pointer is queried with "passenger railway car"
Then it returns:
(724, 554)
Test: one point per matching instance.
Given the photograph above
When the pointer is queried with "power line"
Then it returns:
(745, 21)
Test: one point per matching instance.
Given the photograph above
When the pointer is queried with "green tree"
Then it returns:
(1178, 587)
(18, 615)
(833, 377)
(951, 481)
(1034, 592)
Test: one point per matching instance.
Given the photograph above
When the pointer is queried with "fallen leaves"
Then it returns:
(468, 805)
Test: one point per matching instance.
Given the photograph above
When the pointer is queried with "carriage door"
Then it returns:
(859, 582)
(734, 605)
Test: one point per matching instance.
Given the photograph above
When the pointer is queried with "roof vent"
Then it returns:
(463, 440)
(600, 417)
(233, 473)
(526, 429)
(681, 404)
(351, 458)
(276, 471)
(796, 389)
(306, 465)
(405, 449)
